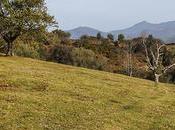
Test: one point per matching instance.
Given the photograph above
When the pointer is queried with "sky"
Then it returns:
(108, 15)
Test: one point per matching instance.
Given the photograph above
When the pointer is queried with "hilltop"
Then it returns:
(80, 31)
(43, 95)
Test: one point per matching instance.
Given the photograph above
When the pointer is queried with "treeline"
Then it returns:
(107, 54)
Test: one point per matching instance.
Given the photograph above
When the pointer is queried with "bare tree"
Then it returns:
(129, 58)
(154, 57)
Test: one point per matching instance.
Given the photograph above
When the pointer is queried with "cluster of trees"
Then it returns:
(23, 32)
(145, 57)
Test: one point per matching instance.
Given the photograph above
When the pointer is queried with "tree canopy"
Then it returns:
(121, 38)
(99, 36)
(20, 16)
(110, 37)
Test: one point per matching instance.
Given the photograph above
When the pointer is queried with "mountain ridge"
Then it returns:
(164, 31)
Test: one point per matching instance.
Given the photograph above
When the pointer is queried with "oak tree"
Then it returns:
(20, 16)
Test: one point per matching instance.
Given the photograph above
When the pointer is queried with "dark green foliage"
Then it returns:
(168, 58)
(87, 58)
(57, 37)
(78, 57)
(84, 37)
(170, 76)
(31, 50)
(99, 37)
(110, 37)
(61, 34)
(62, 54)
(121, 38)
(20, 16)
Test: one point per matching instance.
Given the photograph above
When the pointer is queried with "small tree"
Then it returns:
(61, 34)
(20, 16)
(99, 37)
(110, 37)
(154, 56)
(121, 38)
(129, 58)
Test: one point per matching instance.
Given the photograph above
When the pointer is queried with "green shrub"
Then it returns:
(61, 54)
(78, 57)
(87, 58)
(31, 50)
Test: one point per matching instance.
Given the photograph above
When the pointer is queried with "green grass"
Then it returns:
(38, 95)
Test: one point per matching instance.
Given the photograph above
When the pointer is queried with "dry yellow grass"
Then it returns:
(41, 95)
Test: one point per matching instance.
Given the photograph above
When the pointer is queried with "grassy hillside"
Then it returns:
(40, 95)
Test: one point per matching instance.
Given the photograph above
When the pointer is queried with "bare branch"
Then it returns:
(168, 67)
(3, 12)
(153, 56)
(163, 45)
(158, 53)
(147, 56)
(1, 9)
(154, 60)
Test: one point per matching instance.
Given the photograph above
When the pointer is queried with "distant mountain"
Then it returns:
(164, 31)
(80, 31)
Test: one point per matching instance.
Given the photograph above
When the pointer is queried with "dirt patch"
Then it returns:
(80, 97)
(41, 86)
(6, 86)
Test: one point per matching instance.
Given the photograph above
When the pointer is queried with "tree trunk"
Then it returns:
(157, 77)
(9, 51)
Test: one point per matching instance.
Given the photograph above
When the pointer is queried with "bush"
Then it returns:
(78, 57)
(87, 58)
(27, 50)
(61, 54)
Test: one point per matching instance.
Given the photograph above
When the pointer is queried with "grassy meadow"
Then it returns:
(39, 95)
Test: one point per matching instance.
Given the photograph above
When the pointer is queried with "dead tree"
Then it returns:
(129, 59)
(154, 59)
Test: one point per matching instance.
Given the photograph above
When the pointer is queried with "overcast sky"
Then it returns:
(107, 15)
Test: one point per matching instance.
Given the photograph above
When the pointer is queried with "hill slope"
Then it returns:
(41, 95)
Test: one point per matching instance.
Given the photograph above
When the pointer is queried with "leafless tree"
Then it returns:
(154, 59)
(129, 58)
